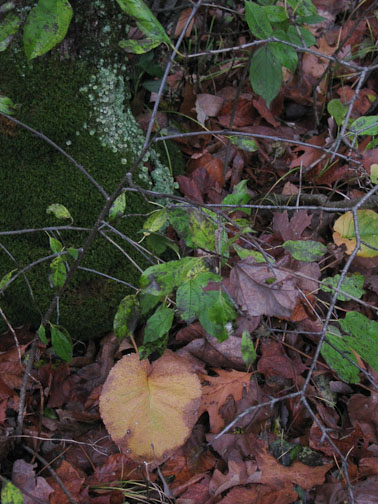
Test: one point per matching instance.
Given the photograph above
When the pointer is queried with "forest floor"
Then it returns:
(289, 405)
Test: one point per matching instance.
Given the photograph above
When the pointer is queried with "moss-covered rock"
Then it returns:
(81, 104)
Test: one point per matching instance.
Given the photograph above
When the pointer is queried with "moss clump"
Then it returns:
(33, 175)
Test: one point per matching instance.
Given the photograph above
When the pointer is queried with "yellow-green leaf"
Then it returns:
(344, 232)
(149, 409)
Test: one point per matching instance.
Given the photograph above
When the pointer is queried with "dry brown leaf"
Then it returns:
(24, 477)
(239, 472)
(149, 409)
(207, 105)
(258, 292)
(276, 475)
(217, 389)
(72, 480)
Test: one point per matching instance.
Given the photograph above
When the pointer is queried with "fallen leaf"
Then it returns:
(149, 409)
(207, 105)
(260, 494)
(24, 477)
(181, 23)
(219, 354)
(71, 479)
(216, 390)
(291, 229)
(259, 291)
(239, 472)
(276, 475)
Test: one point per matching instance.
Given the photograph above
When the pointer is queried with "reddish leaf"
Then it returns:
(260, 106)
(197, 493)
(260, 494)
(291, 229)
(244, 114)
(274, 364)
(116, 467)
(71, 480)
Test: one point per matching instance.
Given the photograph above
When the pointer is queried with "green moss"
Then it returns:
(34, 175)
(77, 96)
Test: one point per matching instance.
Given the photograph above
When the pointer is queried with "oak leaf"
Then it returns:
(217, 389)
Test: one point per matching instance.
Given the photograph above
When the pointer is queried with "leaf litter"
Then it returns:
(280, 305)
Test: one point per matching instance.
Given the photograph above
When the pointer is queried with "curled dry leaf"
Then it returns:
(149, 409)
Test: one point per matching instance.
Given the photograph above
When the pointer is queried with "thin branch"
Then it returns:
(52, 472)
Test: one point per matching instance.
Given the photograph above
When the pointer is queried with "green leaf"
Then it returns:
(365, 125)
(145, 19)
(276, 13)
(6, 278)
(118, 207)
(59, 273)
(10, 494)
(73, 252)
(156, 331)
(126, 318)
(61, 342)
(60, 211)
(42, 335)
(265, 74)
(55, 245)
(162, 279)
(307, 20)
(6, 105)
(216, 312)
(46, 26)
(156, 221)
(199, 228)
(247, 349)
(244, 143)
(362, 336)
(8, 27)
(243, 253)
(189, 294)
(307, 250)
(159, 243)
(139, 46)
(303, 7)
(285, 55)
(374, 173)
(337, 110)
(307, 36)
(239, 196)
(258, 20)
(352, 284)
(336, 361)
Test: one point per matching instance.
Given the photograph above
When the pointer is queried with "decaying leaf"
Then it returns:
(259, 291)
(149, 409)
